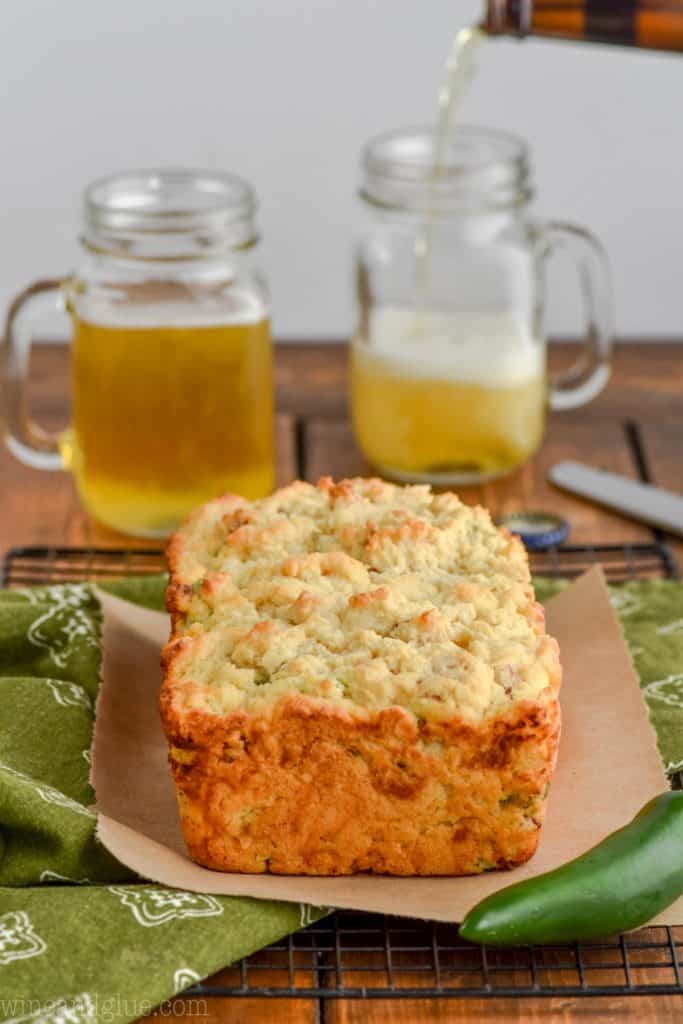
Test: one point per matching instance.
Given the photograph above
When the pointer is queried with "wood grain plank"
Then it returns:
(646, 377)
(600, 968)
(599, 440)
(331, 449)
(609, 1010)
(312, 378)
(649, 960)
(662, 440)
(35, 507)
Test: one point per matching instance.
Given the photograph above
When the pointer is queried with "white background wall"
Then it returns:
(286, 91)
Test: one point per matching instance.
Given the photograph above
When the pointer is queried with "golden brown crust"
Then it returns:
(301, 784)
(311, 789)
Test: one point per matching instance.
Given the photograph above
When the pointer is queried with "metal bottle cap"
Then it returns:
(537, 530)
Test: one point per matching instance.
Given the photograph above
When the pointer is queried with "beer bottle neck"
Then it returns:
(653, 24)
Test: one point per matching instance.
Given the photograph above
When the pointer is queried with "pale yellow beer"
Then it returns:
(166, 417)
(447, 397)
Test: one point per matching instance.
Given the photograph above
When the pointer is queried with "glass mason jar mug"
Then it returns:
(171, 353)
(449, 382)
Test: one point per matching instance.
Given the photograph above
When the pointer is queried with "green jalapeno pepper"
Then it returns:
(618, 885)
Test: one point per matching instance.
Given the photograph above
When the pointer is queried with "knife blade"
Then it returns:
(640, 501)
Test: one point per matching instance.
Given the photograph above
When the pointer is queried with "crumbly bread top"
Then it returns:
(361, 593)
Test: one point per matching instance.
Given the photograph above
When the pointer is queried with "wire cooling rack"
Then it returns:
(349, 955)
(33, 566)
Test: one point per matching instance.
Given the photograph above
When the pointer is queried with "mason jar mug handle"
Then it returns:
(590, 372)
(26, 439)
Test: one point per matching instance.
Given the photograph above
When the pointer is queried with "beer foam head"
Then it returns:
(485, 348)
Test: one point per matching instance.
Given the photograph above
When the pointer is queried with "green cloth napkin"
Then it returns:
(651, 613)
(81, 938)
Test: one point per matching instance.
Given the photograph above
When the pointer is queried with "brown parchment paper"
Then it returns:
(607, 768)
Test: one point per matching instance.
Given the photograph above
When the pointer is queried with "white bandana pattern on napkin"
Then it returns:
(625, 602)
(668, 690)
(671, 628)
(67, 616)
(151, 907)
(183, 978)
(69, 695)
(18, 940)
(307, 913)
(49, 794)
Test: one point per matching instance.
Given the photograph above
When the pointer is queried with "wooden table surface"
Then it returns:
(635, 426)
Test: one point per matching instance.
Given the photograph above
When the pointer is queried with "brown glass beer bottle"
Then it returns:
(652, 24)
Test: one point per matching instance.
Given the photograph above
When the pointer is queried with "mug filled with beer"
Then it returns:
(171, 355)
(449, 379)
